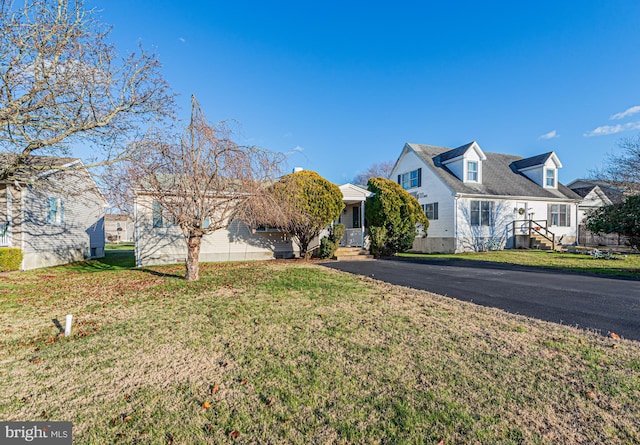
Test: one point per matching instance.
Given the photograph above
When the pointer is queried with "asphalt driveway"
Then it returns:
(602, 303)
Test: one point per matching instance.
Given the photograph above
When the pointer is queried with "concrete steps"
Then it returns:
(351, 254)
(539, 242)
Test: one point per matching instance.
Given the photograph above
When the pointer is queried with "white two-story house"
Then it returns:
(477, 200)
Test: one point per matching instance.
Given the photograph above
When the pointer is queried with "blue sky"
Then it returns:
(342, 85)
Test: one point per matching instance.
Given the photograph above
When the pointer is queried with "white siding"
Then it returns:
(440, 233)
(166, 245)
(505, 213)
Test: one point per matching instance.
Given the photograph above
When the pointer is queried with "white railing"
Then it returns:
(352, 238)
(4, 235)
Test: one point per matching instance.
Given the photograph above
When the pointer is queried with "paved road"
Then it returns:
(606, 304)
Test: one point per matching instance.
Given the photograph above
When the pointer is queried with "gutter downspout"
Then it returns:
(136, 232)
(455, 223)
(22, 223)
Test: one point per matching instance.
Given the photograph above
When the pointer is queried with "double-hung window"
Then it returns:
(481, 213)
(472, 171)
(431, 211)
(410, 179)
(550, 177)
(559, 215)
(55, 211)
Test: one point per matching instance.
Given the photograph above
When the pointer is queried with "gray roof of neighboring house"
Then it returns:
(500, 176)
(32, 165)
(614, 194)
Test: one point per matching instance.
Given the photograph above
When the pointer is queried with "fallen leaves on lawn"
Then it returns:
(206, 405)
(234, 434)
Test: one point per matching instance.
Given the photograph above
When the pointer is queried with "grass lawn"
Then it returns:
(288, 352)
(621, 265)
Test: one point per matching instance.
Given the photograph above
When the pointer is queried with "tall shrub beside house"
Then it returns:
(621, 218)
(308, 203)
(394, 217)
(10, 259)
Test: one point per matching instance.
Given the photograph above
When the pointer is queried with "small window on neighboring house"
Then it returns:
(559, 215)
(207, 223)
(480, 214)
(431, 211)
(472, 171)
(55, 211)
(410, 179)
(550, 177)
(157, 214)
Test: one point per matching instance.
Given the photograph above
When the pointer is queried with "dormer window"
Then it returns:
(550, 178)
(472, 171)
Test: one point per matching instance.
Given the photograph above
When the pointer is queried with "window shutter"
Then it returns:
(435, 210)
(61, 210)
(549, 214)
(399, 180)
(568, 215)
(420, 177)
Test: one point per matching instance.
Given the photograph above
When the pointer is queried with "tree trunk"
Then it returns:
(193, 255)
(303, 243)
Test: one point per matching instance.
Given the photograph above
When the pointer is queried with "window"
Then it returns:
(559, 215)
(411, 179)
(55, 211)
(472, 171)
(550, 176)
(431, 211)
(481, 212)
(157, 214)
(161, 217)
(356, 218)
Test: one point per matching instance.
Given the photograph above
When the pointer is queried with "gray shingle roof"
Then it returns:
(452, 154)
(532, 161)
(500, 177)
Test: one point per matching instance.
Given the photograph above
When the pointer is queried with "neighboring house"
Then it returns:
(595, 194)
(54, 213)
(484, 201)
(118, 228)
(159, 241)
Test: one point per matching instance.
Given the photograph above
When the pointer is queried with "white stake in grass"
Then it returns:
(67, 327)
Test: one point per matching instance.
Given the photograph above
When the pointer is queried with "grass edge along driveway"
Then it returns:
(288, 352)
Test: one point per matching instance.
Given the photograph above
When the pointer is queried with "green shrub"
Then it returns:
(10, 259)
(378, 237)
(396, 213)
(330, 244)
(327, 248)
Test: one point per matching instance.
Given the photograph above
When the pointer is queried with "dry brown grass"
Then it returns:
(301, 354)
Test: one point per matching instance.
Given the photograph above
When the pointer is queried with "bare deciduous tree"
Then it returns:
(203, 181)
(62, 82)
(377, 170)
(622, 169)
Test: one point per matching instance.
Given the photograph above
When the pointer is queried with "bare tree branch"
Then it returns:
(62, 82)
(202, 181)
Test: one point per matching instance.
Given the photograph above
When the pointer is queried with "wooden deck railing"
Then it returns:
(532, 226)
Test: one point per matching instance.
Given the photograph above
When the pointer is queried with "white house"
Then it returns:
(159, 241)
(477, 200)
(54, 213)
(354, 198)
